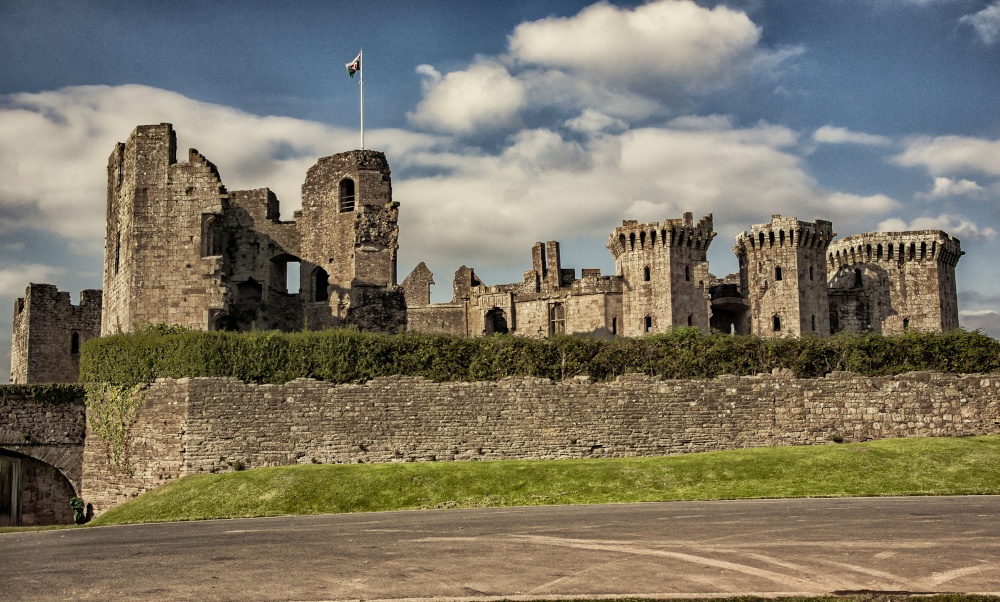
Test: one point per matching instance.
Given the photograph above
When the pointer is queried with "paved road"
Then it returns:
(817, 546)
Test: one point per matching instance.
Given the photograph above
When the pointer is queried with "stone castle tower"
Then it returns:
(890, 282)
(162, 256)
(665, 273)
(182, 250)
(48, 333)
(783, 276)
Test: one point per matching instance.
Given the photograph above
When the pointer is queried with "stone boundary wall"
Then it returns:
(197, 425)
(46, 431)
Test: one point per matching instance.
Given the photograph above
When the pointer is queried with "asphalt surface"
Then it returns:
(766, 547)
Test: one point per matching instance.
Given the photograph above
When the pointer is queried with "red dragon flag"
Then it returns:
(354, 66)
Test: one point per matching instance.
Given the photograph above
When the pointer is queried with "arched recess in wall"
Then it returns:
(347, 195)
(33, 492)
(211, 237)
(320, 285)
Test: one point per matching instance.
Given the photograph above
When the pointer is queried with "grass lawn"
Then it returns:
(919, 466)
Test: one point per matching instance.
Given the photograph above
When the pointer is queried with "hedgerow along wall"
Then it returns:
(198, 425)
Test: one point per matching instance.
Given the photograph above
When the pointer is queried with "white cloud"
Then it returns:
(956, 225)
(943, 155)
(14, 279)
(484, 96)
(945, 187)
(986, 23)
(834, 135)
(593, 122)
(664, 40)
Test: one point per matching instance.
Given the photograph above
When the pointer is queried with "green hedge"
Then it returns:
(49, 393)
(345, 356)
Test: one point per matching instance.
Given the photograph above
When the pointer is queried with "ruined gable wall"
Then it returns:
(46, 323)
(255, 245)
(210, 424)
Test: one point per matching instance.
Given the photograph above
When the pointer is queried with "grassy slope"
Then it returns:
(924, 466)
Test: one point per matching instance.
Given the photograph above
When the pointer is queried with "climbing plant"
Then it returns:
(111, 413)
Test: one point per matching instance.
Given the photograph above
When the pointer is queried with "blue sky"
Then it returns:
(510, 122)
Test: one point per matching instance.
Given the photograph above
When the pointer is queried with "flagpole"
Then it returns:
(361, 66)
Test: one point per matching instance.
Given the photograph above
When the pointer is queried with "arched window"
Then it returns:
(346, 195)
(690, 319)
(906, 323)
(631, 239)
(776, 323)
(648, 326)
(320, 281)
(923, 250)
(857, 278)
(878, 254)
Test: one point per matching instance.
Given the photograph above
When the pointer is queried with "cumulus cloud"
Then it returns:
(946, 187)
(986, 23)
(628, 64)
(834, 135)
(665, 40)
(593, 122)
(956, 225)
(484, 96)
(942, 155)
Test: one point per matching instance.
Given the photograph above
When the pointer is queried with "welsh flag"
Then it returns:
(354, 66)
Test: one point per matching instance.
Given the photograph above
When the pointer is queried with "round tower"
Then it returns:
(890, 282)
(783, 276)
(665, 273)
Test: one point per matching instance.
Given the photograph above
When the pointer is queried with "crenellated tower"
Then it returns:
(783, 276)
(665, 274)
(890, 282)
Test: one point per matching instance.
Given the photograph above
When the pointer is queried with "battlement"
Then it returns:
(632, 236)
(896, 247)
(783, 231)
(48, 332)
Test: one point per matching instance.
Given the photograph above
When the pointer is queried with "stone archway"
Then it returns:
(33, 492)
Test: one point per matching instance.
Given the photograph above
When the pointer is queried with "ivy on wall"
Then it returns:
(111, 413)
(347, 356)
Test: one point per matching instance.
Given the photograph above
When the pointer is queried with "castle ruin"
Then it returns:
(181, 249)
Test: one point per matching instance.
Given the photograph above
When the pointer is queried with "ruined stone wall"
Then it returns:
(783, 276)
(440, 318)
(888, 282)
(162, 262)
(257, 246)
(48, 333)
(197, 425)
